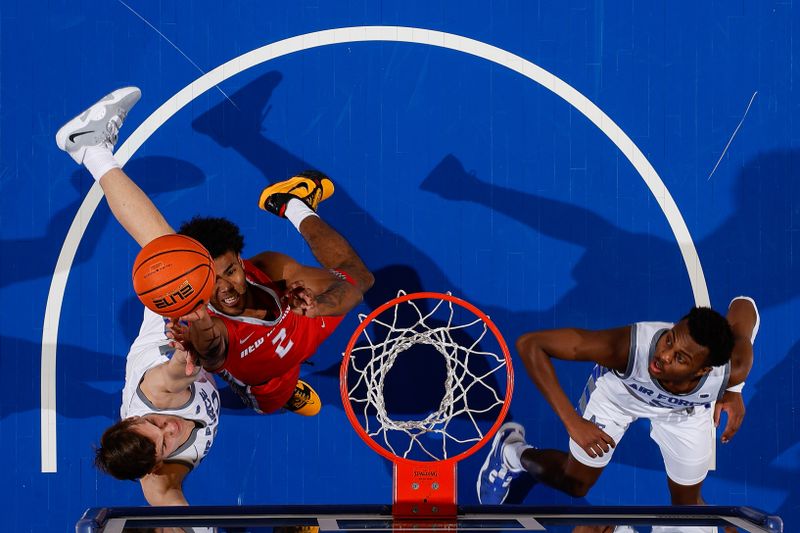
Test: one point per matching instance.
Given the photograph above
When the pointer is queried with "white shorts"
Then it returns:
(683, 436)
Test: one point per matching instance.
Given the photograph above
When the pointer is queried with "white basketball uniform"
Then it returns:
(149, 350)
(680, 423)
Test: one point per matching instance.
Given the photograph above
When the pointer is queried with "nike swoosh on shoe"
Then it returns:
(78, 134)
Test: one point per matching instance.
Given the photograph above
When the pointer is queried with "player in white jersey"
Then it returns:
(671, 374)
(170, 407)
(169, 418)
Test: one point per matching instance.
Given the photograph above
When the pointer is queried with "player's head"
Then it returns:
(224, 242)
(134, 447)
(701, 340)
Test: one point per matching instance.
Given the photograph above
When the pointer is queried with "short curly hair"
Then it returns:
(712, 330)
(124, 453)
(218, 235)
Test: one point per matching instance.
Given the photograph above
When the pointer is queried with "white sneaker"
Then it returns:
(99, 125)
(495, 476)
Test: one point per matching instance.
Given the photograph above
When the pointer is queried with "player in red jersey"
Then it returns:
(267, 314)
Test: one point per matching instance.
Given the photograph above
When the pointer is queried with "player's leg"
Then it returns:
(510, 456)
(688, 495)
(684, 438)
(576, 472)
(89, 139)
(561, 470)
(573, 472)
(297, 199)
(685, 494)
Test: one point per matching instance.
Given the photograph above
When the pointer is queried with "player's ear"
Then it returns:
(703, 371)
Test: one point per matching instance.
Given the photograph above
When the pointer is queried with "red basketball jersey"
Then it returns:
(261, 350)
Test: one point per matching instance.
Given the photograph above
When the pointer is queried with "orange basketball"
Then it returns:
(173, 274)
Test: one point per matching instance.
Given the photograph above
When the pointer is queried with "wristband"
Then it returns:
(736, 388)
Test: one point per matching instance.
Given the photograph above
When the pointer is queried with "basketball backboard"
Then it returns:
(486, 519)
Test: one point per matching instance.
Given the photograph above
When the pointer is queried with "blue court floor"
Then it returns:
(576, 163)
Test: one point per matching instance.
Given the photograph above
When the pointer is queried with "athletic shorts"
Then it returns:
(685, 437)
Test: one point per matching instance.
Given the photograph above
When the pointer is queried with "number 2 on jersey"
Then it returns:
(280, 348)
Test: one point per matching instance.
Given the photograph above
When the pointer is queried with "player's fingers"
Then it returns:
(733, 425)
(607, 438)
(598, 448)
(717, 413)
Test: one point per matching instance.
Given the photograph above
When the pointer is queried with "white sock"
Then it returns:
(512, 454)
(297, 211)
(98, 160)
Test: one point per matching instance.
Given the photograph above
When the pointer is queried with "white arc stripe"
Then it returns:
(315, 40)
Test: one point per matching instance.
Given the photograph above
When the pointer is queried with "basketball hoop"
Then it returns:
(478, 384)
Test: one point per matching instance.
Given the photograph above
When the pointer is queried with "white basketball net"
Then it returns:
(462, 378)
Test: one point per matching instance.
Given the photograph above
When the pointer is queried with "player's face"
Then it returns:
(164, 430)
(231, 287)
(678, 357)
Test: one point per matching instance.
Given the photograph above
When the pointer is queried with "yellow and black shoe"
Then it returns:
(311, 187)
(304, 401)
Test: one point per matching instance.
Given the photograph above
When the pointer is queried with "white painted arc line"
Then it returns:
(314, 40)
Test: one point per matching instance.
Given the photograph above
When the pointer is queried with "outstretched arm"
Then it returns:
(334, 252)
(743, 318)
(166, 486)
(132, 208)
(608, 348)
(207, 336)
(167, 385)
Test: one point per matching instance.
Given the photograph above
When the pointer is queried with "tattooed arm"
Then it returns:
(207, 336)
(311, 291)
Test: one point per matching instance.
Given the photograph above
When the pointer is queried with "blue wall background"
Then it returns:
(452, 174)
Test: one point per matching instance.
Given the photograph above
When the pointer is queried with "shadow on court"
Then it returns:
(621, 276)
(154, 174)
(617, 274)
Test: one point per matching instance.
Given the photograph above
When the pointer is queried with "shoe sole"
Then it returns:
(77, 122)
(325, 183)
(495, 442)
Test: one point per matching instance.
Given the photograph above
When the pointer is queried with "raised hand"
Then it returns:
(301, 299)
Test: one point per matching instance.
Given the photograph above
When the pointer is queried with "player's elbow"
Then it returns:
(368, 282)
(527, 345)
(365, 281)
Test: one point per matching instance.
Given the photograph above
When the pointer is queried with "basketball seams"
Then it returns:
(179, 276)
(181, 283)
(166, 252)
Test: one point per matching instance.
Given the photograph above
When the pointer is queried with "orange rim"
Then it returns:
(348, 408)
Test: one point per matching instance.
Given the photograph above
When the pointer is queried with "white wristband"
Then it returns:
(736, 388)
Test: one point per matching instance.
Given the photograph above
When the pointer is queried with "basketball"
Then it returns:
(173, 274)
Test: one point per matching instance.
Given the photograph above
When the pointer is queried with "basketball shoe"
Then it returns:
(310, 186)
(496, 475)
(304, 401)
(98, 125)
